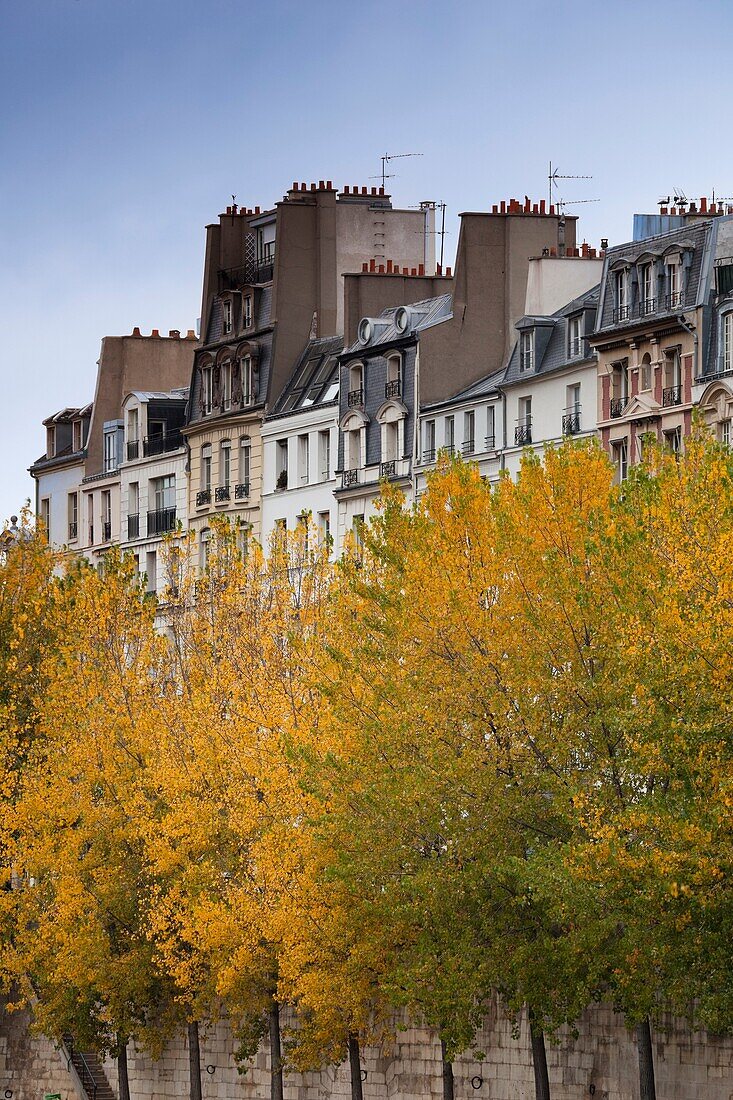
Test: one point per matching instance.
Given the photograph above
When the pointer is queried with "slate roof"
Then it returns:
(315, 379)
(552, 354)
(427, 312)
(485, 387)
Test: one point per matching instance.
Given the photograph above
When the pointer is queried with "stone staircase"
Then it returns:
(89, 1072)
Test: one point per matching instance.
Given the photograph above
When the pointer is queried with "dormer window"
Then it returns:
(226, 386)
(245, 373)
(646, 284)
(355, 398)
(50, 442)
(227, 315)
(575, 335)
(727, 340)
(526, 350)
(674, 283)
(621, 312)
(207, 390)
(76, 435)
(393, 385)
(247, 311)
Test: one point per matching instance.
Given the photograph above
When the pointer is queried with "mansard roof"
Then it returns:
(422, 314)
(551, 352)
(314, 380)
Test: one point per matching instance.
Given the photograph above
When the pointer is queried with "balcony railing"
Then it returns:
(133, 527)
(133, 449)
(672, 395)
(575, 347)
(388, 469)
(622, 313)
(428, 454)
(349, 478)
(490, 442)
(449, 448)
(161, 444)
(617, 406)
(222, 493)
(523, 433)
(468, 446)
(393, 388)
(571, 420)
(356, 398)
(106, 530)
(255, 271)
(161, 521)
(72, 530)
(241, 490)
(203, 497)
(673, 301)
(647, 306)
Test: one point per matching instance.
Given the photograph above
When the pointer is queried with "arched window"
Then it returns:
(391, 417)
(355, 398)
(726, 341)
(226, 385)
(207, 389)
(393, 385)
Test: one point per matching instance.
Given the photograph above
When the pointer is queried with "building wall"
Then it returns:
(249, 510)
(553, 281)
(55, 486)
(601, 1062)
(315, 495)
(549, 400)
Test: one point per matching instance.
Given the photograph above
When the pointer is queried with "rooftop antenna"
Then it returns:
(430, 205)
(562, 203)
(554, 175)
(385, 175)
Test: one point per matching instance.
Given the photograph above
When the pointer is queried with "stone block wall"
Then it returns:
(601, 1062)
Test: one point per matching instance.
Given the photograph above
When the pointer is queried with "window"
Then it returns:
(523, 430)
(673, 441)
(303, 459)
(245, 461)
(357, 528)
(50, 442)
(490, 428)
(45, 516)
(324, 455)
(620, 455)
(90, 517)
(133, 435)
(247, 311)
(151, 568)
(106, 503)
(352, 449)
(110, 450)
(571, 416)
(204, 546)
(227, 315)
(73, 513)
(526, 350)
(245, 373)
(674, 284)
(648, 298)
(281, 468)
(393, 387)
(266, 243)
(225, 463)
(449, 434)
(619, 387)
(76, 435)
(207, 390)
(727, 341)
(724, 432)
(206, 467)
(133, 510)
(390, 441)
(672, 392)
(324, 527)
(355, 397)
(226, 385)
(428, 444)
(575, 336)
(469, 427)
(164, 492)
(621, 312)
(645, 374)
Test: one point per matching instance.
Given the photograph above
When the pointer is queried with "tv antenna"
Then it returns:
(562, 203)
(430, 205)
(385, 175)
(554, 175)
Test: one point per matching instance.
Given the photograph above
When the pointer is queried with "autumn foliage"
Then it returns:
(488, 752)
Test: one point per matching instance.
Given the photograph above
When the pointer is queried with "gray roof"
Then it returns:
(315, 378)
(485, 387)
(424, 314)
(551, 352)
(180, 394)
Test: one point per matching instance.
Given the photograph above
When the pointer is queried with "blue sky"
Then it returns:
(126, 125)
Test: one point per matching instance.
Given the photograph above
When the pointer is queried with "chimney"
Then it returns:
(703, 205)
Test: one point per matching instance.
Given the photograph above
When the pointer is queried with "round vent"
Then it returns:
(402, 319)
(366, 328)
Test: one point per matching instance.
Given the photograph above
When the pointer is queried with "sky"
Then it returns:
(127, 125)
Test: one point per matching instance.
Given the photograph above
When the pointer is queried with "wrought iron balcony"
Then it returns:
(203, 497)
(349, 478)
(106, 531)
(133, 449)
(241, 490)
(575, 347)
(161, 444)
(388, 469)
(161, 521)
(355, 398)
(393, 388)
(133, 526)
(674, 301)
(222, 493)
(622, 313)
(72, 530)
(672, 395)
(428, 454)
(523, 433)
(449, 448)
(647, 306)
(490, 442)
(571, 420)
(468, 447)
(617, 406)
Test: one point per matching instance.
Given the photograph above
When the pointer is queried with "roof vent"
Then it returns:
(365, 331)
(402, 319)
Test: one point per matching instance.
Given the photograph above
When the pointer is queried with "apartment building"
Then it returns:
(58, 473)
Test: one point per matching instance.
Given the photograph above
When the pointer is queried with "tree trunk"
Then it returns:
(194, 1061)
(647, 1088)
(447, 1074)
(276, 1065)
(124, 1084)
(355, 1066)
(539, 1060)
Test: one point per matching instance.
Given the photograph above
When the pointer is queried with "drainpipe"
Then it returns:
(692, 330)
(502, 460)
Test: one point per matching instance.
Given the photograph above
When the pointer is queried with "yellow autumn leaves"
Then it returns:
(489, 751)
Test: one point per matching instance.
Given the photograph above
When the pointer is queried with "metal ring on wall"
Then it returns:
(210, 1069)
(476, 1082)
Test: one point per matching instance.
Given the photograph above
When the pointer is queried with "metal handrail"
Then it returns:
(82, 1067)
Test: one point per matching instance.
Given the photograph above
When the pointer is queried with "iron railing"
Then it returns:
(468, 446)
(356, 398)
(393, 388)
(133, 449)
(203, 497)
(388, 469)
(349, 478)
(133, 526)
(161, 521)
(490, 442)
(571, 420)
(621, 313)
(161, 444)
(672, 395)
(241, 490)
(575, 347)
(647, 306)
(674, 300)
(222, 493)
(428, 454)
(255, 271)
(617, 406)
(84, 1071)
(523, 433)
